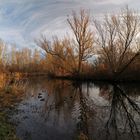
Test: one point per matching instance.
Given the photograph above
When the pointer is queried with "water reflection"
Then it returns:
(67, 110)
(124, 113)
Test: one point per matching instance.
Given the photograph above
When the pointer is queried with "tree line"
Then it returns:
(105, 49)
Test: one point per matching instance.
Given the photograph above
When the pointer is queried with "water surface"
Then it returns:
(65, 110)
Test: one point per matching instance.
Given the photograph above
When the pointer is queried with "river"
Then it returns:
(66, 110)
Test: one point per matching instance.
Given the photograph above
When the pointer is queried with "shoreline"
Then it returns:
(78, 78)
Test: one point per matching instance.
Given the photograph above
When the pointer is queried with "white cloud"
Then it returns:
(112, 1)
(24, 20)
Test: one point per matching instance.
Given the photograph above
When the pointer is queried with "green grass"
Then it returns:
(7, 131)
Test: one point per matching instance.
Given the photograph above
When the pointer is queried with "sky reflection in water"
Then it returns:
(67, 110)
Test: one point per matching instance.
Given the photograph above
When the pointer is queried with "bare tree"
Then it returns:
(80, 25)
(117, 38)
(72, 52)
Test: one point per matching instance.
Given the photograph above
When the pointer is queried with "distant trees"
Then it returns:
(3, 55)
(24, 60)
(1, 50)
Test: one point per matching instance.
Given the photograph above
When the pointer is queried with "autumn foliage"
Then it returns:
(107, 49)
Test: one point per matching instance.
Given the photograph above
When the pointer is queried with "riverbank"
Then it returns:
(79, 77)
(7, 131)
(10, 94)
(90, 78)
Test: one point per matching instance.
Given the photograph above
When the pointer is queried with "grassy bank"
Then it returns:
(7, 131)
(10, 94)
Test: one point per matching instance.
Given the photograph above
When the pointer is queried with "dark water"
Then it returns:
(64, 110)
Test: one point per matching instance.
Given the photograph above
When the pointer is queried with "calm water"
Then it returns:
(64, 110)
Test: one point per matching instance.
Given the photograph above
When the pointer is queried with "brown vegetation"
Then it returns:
(104, 50)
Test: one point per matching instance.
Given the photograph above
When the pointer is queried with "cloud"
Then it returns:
(112, 1)
(21, 21)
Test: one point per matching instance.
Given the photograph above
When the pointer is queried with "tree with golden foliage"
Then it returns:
(59, 55)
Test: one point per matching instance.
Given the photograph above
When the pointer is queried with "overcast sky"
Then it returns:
(22, 21)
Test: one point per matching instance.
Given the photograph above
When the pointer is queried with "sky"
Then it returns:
(23, 21)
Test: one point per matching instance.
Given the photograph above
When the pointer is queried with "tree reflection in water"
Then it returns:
(85, 111)
(123, 109)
